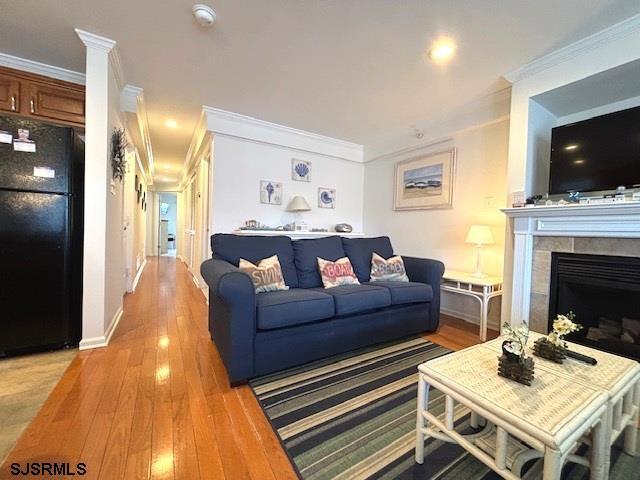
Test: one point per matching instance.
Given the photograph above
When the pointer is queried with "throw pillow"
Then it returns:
(337, 273)
(266, 275)
(390, 270)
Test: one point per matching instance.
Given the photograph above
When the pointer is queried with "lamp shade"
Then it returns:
(480, 235)
(298, 204)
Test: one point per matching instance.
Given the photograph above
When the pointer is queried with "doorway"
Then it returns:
(167, 226)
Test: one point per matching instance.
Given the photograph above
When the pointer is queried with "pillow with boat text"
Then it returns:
(337, 273)
(389, 270)
(266, 275)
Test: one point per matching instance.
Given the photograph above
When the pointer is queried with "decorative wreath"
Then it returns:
(118, 147)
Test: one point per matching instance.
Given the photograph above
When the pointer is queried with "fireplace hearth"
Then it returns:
(604, 293)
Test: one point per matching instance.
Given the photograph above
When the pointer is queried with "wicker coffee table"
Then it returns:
(547, 419)
(617, 377)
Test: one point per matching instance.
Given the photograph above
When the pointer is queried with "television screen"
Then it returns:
(601, 153)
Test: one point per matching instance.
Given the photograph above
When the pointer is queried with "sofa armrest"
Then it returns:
(232, 316)
(227, 281)
(426, 270)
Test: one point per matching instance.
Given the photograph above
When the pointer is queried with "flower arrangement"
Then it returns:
(563, 325)
(517, 339)
(514, 363)
(553, 347)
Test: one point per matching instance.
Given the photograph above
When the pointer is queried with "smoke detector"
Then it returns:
(204, 15)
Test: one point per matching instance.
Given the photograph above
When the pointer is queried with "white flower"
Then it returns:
(513, 347)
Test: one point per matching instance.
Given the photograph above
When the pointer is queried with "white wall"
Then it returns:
(479, 193)
(115, 273)
(239, 165)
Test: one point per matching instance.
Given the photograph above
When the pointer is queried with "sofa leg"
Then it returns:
(239, 383)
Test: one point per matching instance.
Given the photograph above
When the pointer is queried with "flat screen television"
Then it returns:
(601, 153)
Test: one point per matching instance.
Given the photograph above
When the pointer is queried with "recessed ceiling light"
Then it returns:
(579, 161)
(571, 147)
(171, 123)
(442, 50)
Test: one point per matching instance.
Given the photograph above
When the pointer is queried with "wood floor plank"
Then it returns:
(156, 402)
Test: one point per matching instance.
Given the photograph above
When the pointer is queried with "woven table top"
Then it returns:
(550, 410)
(611, 374)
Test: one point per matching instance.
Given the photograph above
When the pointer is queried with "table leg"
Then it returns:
(552, 464)
(599, 446)
(484, 313)
(423, 404)
(631, 432)
(607, 422)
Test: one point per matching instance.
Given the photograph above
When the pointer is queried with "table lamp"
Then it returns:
(298, 204)
(479, 235)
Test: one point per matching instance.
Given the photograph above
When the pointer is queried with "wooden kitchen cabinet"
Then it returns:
(9, 93)
(54, 102)
(41, 98)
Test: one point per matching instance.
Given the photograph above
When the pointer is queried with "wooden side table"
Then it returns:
(482, 289)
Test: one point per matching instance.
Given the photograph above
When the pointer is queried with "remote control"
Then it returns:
(581, 357)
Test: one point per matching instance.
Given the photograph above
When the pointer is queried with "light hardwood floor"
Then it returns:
(156, 402)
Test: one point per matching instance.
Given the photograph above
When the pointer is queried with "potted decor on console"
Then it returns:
(514, 363)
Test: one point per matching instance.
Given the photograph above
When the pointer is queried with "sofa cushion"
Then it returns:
(351, 299)
(360, 251)
(284, 308)
(306, 254)
(406, 292)
(231, 248)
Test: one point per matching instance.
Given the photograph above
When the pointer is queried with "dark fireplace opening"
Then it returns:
(604, 293)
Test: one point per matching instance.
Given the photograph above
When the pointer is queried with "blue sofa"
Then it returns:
(261, 333)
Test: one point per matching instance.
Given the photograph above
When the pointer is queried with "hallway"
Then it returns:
(155, 402)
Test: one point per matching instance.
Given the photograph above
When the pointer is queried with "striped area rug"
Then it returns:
(353, 417)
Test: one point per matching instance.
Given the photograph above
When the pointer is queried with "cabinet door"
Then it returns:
(56, 102)
(9, 93)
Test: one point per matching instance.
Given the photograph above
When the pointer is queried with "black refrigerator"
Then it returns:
(41, 235)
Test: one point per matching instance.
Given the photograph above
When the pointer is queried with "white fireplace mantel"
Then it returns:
(620, 220)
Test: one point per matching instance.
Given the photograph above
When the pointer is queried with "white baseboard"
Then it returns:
(462, 315)
(102, 341)
(137, 278)
(475, 319)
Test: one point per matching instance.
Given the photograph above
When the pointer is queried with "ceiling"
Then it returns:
(350, 69)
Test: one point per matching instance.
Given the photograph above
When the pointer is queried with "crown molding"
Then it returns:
(91, 40)
(241, 126)
(132, 101)
(108, 46)
(39, 68)
(197, 148)
(615, 32)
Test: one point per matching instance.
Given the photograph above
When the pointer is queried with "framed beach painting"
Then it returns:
(425, 182)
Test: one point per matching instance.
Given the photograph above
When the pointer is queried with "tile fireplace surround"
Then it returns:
(539, 231)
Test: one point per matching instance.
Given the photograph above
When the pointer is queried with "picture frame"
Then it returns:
(270, 192)
(425, 182)
(326, 197)
(300, 170)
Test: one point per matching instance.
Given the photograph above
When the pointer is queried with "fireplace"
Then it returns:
(604, 293)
